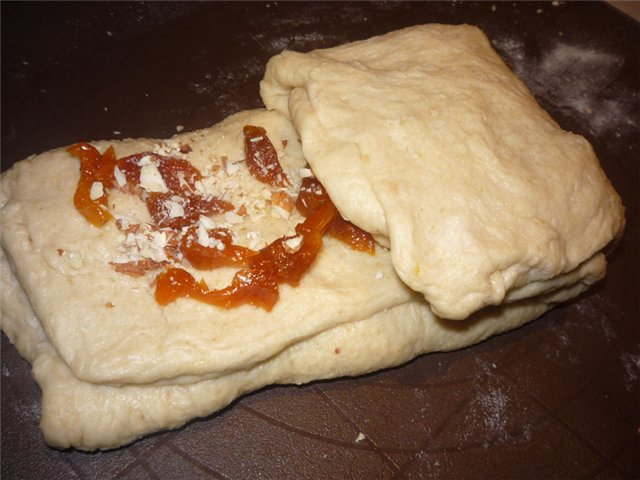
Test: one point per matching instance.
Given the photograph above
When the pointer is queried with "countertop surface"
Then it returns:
(558, 398)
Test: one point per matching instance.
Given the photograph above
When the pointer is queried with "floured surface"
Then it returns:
(423, 136)
(577, 78)
(562, 379)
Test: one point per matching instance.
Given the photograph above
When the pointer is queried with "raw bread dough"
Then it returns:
(425, 138)
(90, 416)
(113, 365)
(108, 328)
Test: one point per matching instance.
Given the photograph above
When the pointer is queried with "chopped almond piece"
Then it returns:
(283, 200)
(136, 269)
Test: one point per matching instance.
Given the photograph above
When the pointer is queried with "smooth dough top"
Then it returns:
(107, 326)
(425, 138)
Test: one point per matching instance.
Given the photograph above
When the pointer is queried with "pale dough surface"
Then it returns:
(89, 416)
(107, 326)
(425, 138)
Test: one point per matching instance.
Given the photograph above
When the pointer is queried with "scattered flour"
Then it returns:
(302, 42)
(631, 364)
(580, 80)
(220, 86)
(513, 52)
(494, 406)
(28, 411)
(597, 313)
(491, 415)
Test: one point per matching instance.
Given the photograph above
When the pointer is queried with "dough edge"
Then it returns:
(87, 416)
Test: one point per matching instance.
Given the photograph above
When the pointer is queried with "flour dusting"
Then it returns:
(490, 417)
(28, 411)
(580, 80)
(221, 85)
(631, 364)
(494, 406)
(596, 316)
(513, 52)
(302, 42)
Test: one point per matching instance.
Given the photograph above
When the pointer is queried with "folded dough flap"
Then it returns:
(424, 137)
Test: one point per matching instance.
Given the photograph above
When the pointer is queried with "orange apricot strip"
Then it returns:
(257, 284)
(262, 159)
(96, 174)
(312, 194)
(224, 254)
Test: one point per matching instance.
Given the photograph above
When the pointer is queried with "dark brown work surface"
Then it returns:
(558, 398)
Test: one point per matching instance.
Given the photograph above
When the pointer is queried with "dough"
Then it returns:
(435, 175)
(425, 138)
(108, 328)
(90, 416)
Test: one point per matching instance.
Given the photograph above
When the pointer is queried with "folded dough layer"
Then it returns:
(464, 177)
(91, 416)
(425, 138)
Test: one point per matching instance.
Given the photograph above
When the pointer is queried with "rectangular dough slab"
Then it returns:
(425, 138)
(89, 416)
(108, 327)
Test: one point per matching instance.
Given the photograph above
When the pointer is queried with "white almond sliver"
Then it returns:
(97, 191)
(146, 160)
(175, 209)
(305, 172)
(121, 180)
(151, 179)
(203, 235)
(294, 243)
(206, 223)
(279, 212)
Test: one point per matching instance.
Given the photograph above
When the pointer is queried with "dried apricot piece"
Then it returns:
(96, 176)
(262, 158)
